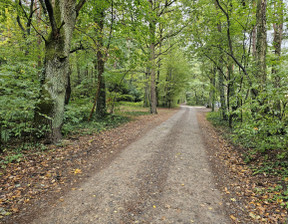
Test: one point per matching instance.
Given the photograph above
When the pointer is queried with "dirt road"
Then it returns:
(163, 177)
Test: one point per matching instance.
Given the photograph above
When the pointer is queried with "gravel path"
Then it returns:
(163, 177)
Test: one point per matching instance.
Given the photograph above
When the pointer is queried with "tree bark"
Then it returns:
(230, 93)
(100, 97)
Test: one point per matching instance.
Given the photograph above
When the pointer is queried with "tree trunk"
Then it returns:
(78, 70)
(277, 42)
(153, 105)
(167, 89)
(212, 90)
(101, 97)
(159, 64)
(50, 108)
(152, 64)
(146, 102)
(261, 44)
(223, 107)
(231, 93)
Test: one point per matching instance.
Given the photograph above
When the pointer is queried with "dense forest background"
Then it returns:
(67, 65)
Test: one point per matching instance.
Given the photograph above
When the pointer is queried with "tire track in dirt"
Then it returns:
(152, 178)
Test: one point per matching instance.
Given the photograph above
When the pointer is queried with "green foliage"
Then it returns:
(19, 88)
(76, 120)
(11, 158)
(214, 118)
(175, 71)
(264, 137)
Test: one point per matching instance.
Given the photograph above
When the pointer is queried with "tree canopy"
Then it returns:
(70, 61)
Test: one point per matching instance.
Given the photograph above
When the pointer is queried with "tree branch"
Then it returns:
(43, 6)
(164, 52)
(111, 27)
(50, 11)
(171, 35)
(29, 21)
(81, 47)
(167, 4)
(26, 16)
(216, 64)
(20, 24)
(79, 6)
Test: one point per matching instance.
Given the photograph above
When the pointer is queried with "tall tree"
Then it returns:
(261, 45)
(54, 78)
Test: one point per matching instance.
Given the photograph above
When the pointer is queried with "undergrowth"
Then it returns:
(264, 149)
(75, 123)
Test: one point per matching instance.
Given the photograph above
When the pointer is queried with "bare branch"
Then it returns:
(216, 64)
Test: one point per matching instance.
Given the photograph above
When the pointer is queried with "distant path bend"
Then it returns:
(163, 177)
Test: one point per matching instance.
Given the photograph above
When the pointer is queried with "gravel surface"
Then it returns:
(164, 177)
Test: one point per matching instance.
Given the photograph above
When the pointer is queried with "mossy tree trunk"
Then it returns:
(54, 81)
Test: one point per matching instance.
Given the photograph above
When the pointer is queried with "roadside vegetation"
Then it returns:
(266, 157)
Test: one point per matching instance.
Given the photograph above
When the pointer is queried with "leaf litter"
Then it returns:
(40, 179)
(246, 195)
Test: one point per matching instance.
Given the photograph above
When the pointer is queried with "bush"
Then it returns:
(19, 90)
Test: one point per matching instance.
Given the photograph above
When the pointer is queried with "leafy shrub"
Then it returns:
(76, 119)
(19, 90)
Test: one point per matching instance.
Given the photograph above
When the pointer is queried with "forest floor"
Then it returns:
(155, 169)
